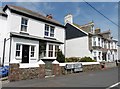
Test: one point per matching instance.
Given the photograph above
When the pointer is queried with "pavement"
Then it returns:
(101, 78)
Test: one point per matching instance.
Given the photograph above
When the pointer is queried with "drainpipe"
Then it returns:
(10, 49)
(4, 52)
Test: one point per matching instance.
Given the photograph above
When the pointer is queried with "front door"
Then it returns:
(25, 54)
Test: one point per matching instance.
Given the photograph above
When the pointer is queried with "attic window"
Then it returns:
(24, 23)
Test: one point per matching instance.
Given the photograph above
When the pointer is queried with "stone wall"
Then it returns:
(91, 67)
(14, 72)
(17, 73)
(110, 64)
(56, 69)
(86, 68)
(28, 73)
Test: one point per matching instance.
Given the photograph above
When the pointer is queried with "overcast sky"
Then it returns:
(82, 13)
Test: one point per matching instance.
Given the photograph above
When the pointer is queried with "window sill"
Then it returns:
(22, 32)
(18, 58)
(49, 58)
(49, 37)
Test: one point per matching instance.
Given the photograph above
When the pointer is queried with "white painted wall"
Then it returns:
(36, 28)
(3, 31)
(78, 47)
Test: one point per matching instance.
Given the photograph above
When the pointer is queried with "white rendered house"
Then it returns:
(27, 37)
(87, 41)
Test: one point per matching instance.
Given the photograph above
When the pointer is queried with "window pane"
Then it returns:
(17, 47)
(17, 53)
(32, 48)
(50, 47)
(56, 50)
(23, 28)
(52, 31)
(32, 51)
(56, 47)
(24, 21)
(24, 24)
(46, 27)
(32, 54)
(52, 35)
(50, 54)
(46, 33)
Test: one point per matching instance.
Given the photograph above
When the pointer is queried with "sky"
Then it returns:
(82, 12)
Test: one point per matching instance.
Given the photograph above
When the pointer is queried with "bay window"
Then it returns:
(56, 50)
(50, 52)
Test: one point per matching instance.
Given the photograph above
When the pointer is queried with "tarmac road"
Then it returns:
(101, 78)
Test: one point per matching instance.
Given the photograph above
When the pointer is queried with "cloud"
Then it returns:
(48, 6)
(77, 13)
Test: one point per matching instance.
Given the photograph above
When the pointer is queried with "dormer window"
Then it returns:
(49, 30)
(24, 23)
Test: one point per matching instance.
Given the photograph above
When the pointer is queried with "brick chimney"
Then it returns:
(49, 16)
(97, 30)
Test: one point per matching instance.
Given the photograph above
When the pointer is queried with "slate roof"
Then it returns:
(31, 13)
(87, 28)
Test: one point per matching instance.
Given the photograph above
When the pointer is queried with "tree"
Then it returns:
(60, 56)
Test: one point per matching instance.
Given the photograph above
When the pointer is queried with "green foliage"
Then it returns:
(72, 59)
(60, 57)
(86, 59)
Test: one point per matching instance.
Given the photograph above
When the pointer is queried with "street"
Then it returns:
(100, 78)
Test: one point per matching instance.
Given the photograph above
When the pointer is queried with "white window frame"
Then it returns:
(32, 51)
(56, 51)
(49, 31)
(51, 50)
(98, 41)
(94, 41)
(18, 57)
(24, 25)
(47, 50)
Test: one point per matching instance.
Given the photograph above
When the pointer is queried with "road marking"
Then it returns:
(113, 85)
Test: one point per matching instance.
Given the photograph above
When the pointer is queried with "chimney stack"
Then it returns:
(49, 16)
(97, 30)
(68, 19)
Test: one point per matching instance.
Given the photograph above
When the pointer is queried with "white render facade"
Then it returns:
(26, 34)
(107, 46)
(87, 41)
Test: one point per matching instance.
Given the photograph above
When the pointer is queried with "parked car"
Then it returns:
(4, 71)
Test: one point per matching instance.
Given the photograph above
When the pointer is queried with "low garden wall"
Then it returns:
(110, 64)
(18, 72)
(87, 66)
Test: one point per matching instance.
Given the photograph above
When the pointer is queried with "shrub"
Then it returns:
(60, 57)
(86, 59)
(72, 59)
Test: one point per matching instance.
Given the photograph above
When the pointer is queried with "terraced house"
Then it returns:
(86, 40)
(27, 36)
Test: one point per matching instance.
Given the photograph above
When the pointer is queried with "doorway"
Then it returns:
(25, 54)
